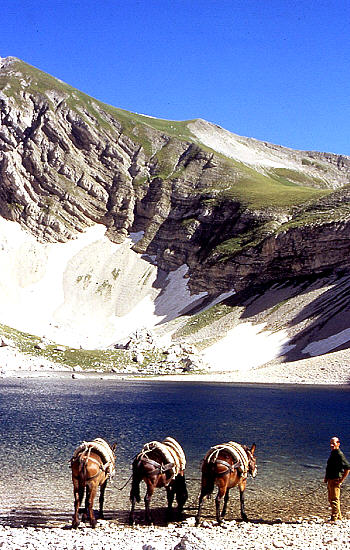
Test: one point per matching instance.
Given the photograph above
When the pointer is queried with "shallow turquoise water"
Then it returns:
(43, 420)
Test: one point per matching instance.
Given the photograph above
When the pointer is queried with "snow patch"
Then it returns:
(32, 275)
(325, 345)
(176, 296)
(88, 292)
(245, 347)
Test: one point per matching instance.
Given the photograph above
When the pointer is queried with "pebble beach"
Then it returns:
(312, 534)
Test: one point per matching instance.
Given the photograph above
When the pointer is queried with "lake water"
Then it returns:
(43, 421)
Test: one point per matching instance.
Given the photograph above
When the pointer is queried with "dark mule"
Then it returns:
(226, 466)
(92, 464)
(157, 468)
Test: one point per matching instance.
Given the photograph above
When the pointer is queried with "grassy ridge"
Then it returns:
(279, 187)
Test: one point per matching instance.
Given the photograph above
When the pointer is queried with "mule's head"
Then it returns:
(252, 467)
(113, 448)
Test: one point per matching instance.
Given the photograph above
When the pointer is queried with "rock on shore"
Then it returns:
(311, 534)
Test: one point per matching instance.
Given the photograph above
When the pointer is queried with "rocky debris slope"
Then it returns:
(233, 209)
(166, 360)
(299, 535)
(175, 358)
(294, 331)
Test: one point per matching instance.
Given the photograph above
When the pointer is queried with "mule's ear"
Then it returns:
(114, 446)
(252, 450)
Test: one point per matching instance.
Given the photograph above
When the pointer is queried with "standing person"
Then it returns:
(337, 471)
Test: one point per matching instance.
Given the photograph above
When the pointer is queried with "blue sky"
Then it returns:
(276, 70)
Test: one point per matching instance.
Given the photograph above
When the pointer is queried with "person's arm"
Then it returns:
(345, 475)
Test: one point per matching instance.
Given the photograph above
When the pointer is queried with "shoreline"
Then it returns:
(261, 376)
(205, 378)
(329, 369)
(332, 369)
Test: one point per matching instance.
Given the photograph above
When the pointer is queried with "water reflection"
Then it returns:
(44, 420)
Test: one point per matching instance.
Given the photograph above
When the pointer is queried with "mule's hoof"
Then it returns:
(75, 524)
(244, 517)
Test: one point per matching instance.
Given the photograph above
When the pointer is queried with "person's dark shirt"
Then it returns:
(336, 464)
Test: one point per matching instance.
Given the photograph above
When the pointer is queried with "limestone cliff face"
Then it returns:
(237, 211)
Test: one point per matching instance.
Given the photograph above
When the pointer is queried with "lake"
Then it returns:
(44, 419)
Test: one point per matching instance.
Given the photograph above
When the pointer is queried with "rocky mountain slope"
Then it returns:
(227, 213)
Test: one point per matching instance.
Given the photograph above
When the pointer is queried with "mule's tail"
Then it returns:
(208, 477)
(83, 468)
(135, 484)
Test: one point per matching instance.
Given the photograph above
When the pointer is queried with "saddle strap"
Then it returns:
(158, 468)
(102, 467)
(230, 467)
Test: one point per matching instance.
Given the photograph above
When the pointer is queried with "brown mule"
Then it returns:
(157, 468)
(226, 466)
(92, 464)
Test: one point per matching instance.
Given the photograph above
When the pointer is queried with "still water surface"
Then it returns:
(43, 420)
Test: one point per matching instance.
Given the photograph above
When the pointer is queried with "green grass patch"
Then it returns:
(115, 273)
(245, 240)
(203, 319)
(294, 177)
(315, 216)
(255, 190)
(84, 279)
(104, 289)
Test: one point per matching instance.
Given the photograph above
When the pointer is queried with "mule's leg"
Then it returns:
(101, 499)
(132, 511)
(78, 497)
(91, 490)
(200, 504)
(148, 496)
(204, 493)
(224, 510)
(241, 498)
(134, 494)
(170, 493)
(219, 496)
(180, 492)
(86, 507)
(207, 487)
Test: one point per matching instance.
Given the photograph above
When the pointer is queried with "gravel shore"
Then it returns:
(301, 535)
